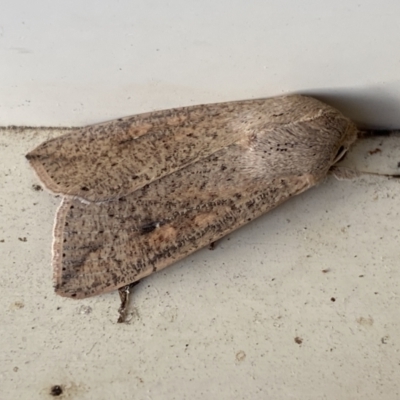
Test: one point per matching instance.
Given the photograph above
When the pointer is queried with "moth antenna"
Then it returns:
(368, 133)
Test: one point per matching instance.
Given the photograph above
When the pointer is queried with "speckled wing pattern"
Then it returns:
(109, 160)
(194, 195)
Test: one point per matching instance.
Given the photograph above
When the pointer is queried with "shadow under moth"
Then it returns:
(142, 192)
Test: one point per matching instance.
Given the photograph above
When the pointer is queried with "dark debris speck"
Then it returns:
(56, 391)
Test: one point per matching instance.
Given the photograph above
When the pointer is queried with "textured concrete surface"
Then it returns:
(300, 304)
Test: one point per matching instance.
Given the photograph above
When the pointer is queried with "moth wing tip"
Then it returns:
(63, 292)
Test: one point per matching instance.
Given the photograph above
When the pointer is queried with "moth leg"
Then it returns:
(124, 293)
(344, 173)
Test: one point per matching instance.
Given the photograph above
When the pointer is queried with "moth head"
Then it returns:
(348, 138)
(307, 147)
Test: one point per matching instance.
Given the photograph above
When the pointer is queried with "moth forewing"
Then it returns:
(110, 160)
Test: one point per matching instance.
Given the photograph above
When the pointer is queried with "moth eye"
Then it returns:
(340, 154)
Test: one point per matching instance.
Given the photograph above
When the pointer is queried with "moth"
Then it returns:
(142, 192)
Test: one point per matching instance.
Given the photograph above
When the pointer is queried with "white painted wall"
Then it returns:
(78, 62)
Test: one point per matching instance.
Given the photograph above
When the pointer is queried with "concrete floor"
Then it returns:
(302, 303)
